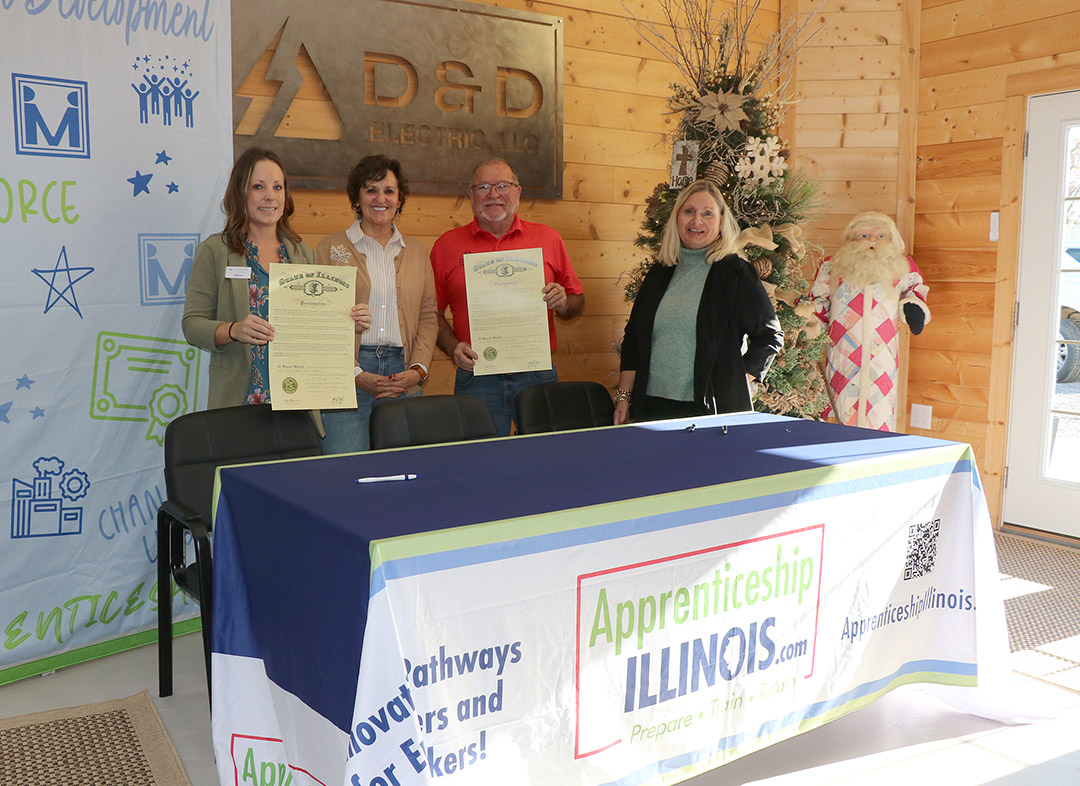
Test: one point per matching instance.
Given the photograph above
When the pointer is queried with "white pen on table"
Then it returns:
(385, 478)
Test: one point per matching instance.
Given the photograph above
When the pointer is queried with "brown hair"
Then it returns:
(234, 205)
(371, 169)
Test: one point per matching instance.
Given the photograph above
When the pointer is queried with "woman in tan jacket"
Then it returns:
(394, 279)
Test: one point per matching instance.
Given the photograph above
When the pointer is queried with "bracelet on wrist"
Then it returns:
(231, 324)
(622, 394)
(357, 371)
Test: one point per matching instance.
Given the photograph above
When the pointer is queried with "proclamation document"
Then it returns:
(508, 318)
(311, 356)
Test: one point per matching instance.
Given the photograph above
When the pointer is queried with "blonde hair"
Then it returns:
(719, 248)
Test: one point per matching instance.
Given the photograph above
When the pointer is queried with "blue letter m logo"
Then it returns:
(164, 267)
(52, 117)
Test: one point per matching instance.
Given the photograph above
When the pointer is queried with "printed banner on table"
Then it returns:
(642, 641)
(622, 661)
(114, 173)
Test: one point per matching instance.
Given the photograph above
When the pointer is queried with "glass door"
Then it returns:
(1042, 488)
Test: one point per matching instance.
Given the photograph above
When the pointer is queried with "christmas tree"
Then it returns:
(731, 106)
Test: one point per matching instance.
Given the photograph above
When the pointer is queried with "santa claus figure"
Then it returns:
(861, 294)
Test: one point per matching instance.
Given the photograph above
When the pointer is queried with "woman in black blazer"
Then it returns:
(683, 348)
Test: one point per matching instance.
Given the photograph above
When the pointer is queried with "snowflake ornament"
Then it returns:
(761, 162)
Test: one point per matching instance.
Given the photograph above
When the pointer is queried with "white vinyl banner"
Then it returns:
(115, 160)
(703, 636)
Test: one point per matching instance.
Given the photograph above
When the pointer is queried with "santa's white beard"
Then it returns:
(860, 265)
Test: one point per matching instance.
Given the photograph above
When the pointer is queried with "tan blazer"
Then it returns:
(415, 291)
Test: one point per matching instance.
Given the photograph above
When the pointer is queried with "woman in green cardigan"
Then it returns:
(226, 307)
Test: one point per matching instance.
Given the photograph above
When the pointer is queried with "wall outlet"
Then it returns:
(921, 415)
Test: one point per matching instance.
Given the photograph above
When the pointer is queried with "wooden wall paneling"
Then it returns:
(952, 230)
(636, 185)
(591, 334)
(956, 368)
(1027, 40)
(959, 159)
(955, 333)
(1064, 77)
(608, 298)
(598, 108)
(958, 194)
(848, 130)
(602, 258)
(983, 85)
(863, 96)
(588, 182)
(858, 28)
(765, 20)
(602, 183)
(957, 264)
(877, 62)
(960, 124)
(909, 118)
(620, 73)
(870, 164)
(851, 197)
(944, 19)
(962, 397)
(905, 174)
(852, 6)
(589, 145)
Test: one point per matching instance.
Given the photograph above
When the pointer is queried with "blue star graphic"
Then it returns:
(24, 382)
(4, 409)
(163, 158)
(37, 412)
(173, 188)
(50, 277)
(141, 183)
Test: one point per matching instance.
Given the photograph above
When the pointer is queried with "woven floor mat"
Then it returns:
(1042, 601)
(114, 743)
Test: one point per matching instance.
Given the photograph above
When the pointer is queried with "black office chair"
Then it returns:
(197, 444)
(428, 420)
(563, 406)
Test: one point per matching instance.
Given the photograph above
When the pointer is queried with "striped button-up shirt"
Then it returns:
(385, 327)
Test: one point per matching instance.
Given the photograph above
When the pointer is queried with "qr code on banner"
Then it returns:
(921, 549)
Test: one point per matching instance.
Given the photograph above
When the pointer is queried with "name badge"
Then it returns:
(237, 271)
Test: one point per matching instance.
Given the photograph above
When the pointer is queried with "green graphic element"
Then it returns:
(490, 353)
(289, 385)
(144, 379)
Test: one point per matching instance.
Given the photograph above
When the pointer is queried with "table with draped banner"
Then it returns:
(624, 605)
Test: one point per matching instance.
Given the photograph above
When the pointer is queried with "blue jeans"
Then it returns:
(499, 390)
(347, 429)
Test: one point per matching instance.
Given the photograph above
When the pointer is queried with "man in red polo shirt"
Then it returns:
(495, 193)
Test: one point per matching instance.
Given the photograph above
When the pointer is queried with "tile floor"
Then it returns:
(907, 737)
